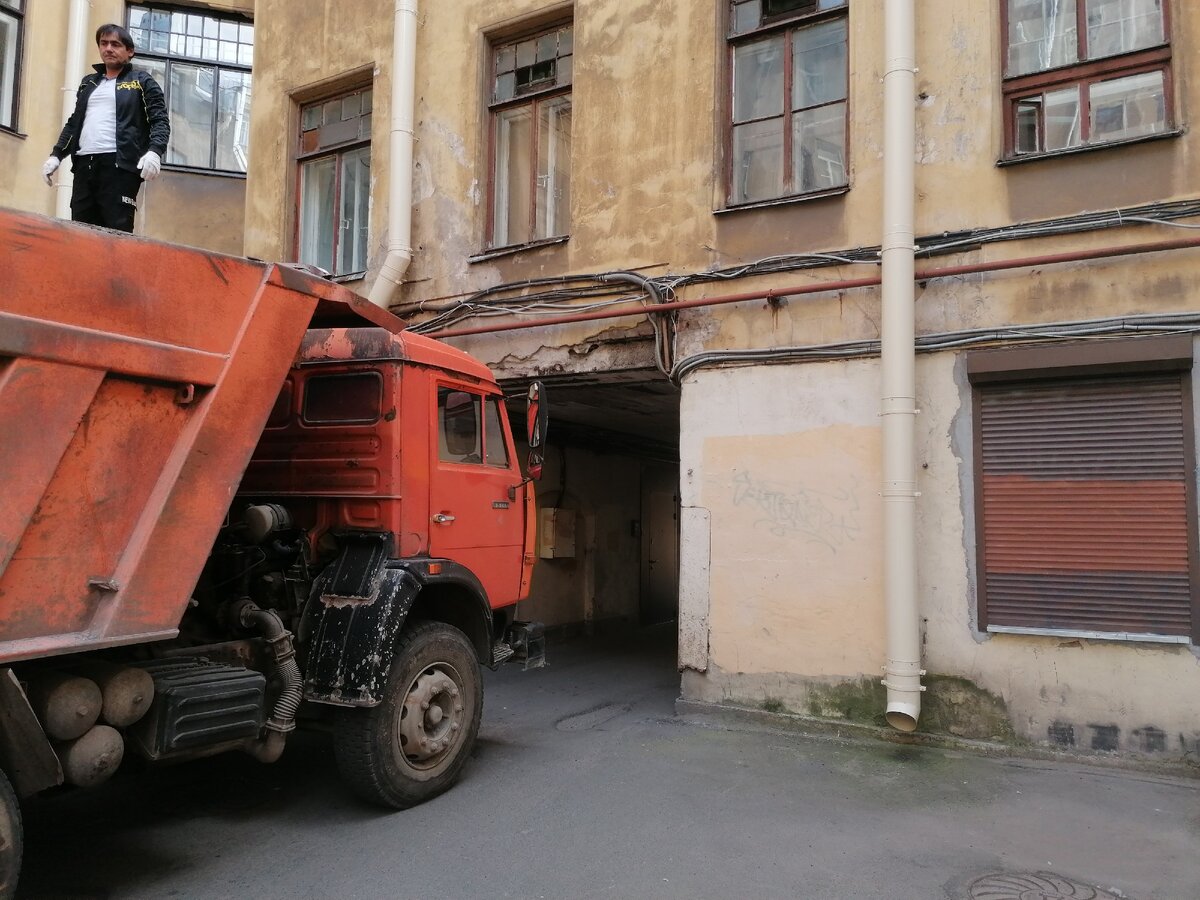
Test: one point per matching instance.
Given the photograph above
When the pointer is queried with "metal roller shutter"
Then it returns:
(1085, 505)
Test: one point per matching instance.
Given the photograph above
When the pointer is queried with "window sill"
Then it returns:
(1007, 161)
(1123, 637)
(350, 276)
(783, 201)
(195, 170)
(512, 249)
(12, 132)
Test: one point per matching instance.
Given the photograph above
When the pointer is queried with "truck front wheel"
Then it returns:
(412, 746)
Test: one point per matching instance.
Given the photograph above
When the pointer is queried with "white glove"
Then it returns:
(48, 168)
(151, 165)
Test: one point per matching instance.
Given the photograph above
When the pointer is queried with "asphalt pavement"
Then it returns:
(585, 784)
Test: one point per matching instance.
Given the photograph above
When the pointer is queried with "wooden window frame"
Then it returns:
(785, 24)
(168, 60)
(1085, 73)
(17, 15)
(532, 99)
(1073, 361)
(336, 152)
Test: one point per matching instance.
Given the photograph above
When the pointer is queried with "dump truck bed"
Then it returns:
(135, 379)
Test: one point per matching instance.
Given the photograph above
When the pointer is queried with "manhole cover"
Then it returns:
(1034, 886)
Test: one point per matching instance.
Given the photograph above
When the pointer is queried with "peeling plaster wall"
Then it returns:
(783, 462)
(203, 211)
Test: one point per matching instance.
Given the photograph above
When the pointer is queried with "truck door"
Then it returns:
(476, 509)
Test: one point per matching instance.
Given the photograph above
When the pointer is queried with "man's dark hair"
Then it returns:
(122, 34)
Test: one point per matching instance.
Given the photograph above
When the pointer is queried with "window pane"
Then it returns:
(156, 68)
(9, 32)
(554, 168)
(1062, 119)
(317, 214)
(757, 161)
(1120, 26)
(506, 87)
(1042, 34)
(746, 16)
(1028, 131)
(233, 121)
(458, 426)
(819, 148)
(1128, 107)
(191, 108)
(493, 440)
(356, 202)
(513, 177)
(758, 80)
(343, 399)
(819, 64)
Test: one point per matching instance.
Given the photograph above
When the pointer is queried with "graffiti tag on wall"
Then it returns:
(827, 517)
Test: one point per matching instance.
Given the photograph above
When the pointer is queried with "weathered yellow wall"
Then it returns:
(781, 542)
(790, 463)
(198, 210)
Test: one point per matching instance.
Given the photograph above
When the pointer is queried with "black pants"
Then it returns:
(103, 194)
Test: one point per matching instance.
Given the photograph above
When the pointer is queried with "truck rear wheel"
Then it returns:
(10, 839)
(413, 745)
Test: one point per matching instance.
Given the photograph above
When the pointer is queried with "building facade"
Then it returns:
(202, 55)
(719, 465)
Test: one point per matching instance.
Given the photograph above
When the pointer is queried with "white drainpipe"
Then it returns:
(404, 88)
(73, 70)
(899, 405)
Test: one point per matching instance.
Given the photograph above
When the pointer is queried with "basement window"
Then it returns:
(1084, 492)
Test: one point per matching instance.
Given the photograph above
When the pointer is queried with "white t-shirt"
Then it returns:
(99, 134)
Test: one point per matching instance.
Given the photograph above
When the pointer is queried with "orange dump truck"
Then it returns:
(239, 498)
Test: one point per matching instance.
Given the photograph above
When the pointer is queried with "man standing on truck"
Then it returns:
(116, 137)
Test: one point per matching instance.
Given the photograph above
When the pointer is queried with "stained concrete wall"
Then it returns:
(198, 210)
(786, 460)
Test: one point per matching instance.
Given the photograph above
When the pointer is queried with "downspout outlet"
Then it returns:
(903, 683)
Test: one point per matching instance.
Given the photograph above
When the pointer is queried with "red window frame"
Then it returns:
(1085, 73)
(782, 24)
(335, 151)
(532, 98)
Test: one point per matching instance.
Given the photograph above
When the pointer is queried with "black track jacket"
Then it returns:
(142, 121)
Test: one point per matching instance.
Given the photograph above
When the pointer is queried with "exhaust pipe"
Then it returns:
(267, 623)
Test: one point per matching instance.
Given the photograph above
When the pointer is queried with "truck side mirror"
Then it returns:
(536, 422)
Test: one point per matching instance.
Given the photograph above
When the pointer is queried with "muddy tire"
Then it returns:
(10, 839)
(413, 745)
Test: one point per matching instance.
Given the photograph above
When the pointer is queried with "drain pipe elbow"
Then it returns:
(404, 78)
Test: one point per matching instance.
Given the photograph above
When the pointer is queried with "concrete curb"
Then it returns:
(732, 717)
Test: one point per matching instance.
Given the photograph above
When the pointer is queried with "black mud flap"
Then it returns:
(351, 624)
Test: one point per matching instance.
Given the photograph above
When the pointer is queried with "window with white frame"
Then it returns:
(530, 123)
(1081, 73)
(334, 198)
(202, 60)
(789, 84)
(12, 24)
